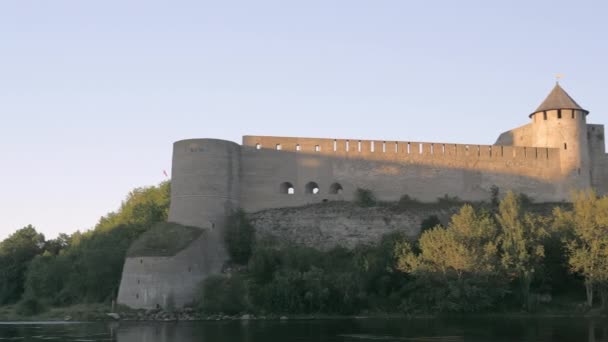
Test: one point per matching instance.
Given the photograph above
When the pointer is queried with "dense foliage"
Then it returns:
(501, 256)
(83, 267)
(496, 257)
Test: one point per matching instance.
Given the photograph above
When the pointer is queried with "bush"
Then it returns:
(222, 294)
(365, 198)
(29, 306)
(239, 237)
(164, 239)
(428, 223)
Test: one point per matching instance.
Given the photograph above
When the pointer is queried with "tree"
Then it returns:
(588, 249)
(521, 242)
(239, 237)
(365, 197)
(457, 267)
(16, 253)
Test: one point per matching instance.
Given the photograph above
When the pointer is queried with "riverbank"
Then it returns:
(103, 312)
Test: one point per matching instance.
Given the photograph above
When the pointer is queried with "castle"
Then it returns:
(555, 153)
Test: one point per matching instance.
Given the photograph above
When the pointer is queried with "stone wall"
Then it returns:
(174, 280)
(391, 169)
(328, 225)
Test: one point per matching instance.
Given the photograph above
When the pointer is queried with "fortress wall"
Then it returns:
(566, 129)
(166, 281)
(599, 159)
(391, 169)
(520, 136)
(205, 181)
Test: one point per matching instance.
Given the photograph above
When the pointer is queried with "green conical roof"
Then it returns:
(558, 99)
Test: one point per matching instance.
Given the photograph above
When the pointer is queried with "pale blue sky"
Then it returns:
(93, 93)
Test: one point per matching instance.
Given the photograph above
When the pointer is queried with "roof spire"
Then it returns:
(558, 77)
(558, 99)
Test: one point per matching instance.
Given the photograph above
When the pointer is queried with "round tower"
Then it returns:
(204, 182)
(560, 122)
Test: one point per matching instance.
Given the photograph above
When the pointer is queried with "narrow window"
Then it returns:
(298, 147)
(335, 145)
(420, 148)
(396, 147)
(347, 145)
(258, 146)
(442, 148)
(573, 115)
(359, 146)
(312, 188)
(478, 150)
(408, 148)
(372, 146)
(544, 115)
(502, 151)
(432, 148)
(317, 148)
(287, 188)
(547, 152)
(490, 150)
(278, 147)
(466, 150)
(565, 146)
(559, 113)
(525, 152)
(335, 189)
(384, 147)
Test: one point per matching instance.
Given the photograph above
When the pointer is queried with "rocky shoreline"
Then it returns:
(185, 314)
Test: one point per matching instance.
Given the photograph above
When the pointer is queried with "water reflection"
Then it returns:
(449, 330)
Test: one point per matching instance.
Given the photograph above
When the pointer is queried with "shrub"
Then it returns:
(428, 223)
(29, 306)
(494, 196)
(239, 237)
(406, 202)
(365, 198)
(164, 239)
(222, 294)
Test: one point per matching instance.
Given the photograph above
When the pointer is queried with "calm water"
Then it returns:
(483, 329)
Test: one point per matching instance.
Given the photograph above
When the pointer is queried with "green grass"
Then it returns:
(164, 239)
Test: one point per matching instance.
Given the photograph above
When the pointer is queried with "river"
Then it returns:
(343, 330)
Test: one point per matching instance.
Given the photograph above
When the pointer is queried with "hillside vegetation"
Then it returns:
(496, 257)
(84, 267)
(164, 239)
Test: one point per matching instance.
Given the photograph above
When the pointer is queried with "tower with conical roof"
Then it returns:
(560, 122)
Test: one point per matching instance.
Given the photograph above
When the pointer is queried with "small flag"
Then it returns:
(165, 173)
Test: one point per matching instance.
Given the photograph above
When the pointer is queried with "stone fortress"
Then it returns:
(555, 153)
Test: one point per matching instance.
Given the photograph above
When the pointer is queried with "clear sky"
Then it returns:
(93, 93)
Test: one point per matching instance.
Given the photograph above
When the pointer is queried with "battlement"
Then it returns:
(399, 150)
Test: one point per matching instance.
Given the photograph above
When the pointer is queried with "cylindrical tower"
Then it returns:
(559, 122)
(204, 182)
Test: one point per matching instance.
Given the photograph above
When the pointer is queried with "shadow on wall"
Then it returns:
(280, 172)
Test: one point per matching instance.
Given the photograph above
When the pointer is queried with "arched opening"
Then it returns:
(312, 188)
(258, 146)
(335, 189)
(278, 147)
(287, 188)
